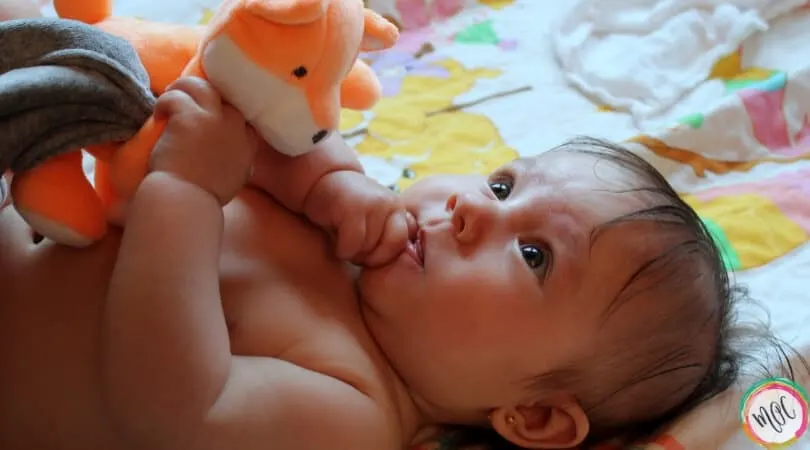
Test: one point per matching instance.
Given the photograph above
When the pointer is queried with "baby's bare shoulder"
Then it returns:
(272, 400)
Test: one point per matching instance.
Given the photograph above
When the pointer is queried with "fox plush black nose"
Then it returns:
(319, 136)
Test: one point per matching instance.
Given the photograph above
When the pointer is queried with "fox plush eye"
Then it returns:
(300, 72)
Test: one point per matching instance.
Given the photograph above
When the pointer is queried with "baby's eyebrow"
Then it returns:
(522, 164)
(566, 247)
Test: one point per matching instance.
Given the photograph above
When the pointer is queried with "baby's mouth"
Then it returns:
(416, 248)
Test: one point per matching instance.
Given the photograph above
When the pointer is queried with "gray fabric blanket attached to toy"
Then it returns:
(65, 85)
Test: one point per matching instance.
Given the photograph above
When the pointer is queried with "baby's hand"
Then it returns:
(205, 142)
(368, 220)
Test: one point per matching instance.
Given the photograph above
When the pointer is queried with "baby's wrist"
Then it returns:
(319, 204)
(172, 180)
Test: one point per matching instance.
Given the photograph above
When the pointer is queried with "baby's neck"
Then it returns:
(416, 427)
(412, 419)
(423, 420)
(419, 418)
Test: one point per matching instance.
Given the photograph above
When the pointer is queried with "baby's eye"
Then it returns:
(536, 257)
(501, 189)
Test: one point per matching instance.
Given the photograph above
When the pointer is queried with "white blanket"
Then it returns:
(646, 57)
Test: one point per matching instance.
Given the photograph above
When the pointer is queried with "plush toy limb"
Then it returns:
(163, 48)
(130, 164)
(103, 152)
(361, 88)
(58, 202)
(378, 32)
(291, 12)
(113, 203)
(87, 11)
(103, 183)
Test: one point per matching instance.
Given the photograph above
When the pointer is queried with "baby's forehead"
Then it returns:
(591, 189)
(564, 166)
(650, 268)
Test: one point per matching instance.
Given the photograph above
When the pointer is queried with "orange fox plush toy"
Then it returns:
(287, 65)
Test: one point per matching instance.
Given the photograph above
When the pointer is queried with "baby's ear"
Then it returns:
(378, 32)
(558, 424)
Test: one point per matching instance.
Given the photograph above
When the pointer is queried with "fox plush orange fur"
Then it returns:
(287, 65)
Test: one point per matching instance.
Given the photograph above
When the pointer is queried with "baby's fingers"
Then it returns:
(351, 236)
(199, 90)
(375, 228)
(393, 241)
(173, 102)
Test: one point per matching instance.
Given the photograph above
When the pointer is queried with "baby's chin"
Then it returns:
(375, 287)
(367, 281)
(368, 311)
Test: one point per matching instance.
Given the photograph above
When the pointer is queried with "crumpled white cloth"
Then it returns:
(643, 56)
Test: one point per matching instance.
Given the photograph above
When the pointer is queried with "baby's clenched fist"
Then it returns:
(367, 220)
(205, 142)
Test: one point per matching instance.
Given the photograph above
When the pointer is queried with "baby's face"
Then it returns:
(507, 284)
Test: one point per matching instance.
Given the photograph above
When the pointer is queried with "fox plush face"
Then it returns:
(282, 62)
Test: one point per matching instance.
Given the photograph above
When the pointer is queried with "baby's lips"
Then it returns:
(413, 226)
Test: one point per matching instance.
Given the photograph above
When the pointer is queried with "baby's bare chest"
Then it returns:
(270, 311)
(283, 292)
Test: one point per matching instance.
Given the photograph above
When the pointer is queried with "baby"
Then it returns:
(558, 301)
(562, 299)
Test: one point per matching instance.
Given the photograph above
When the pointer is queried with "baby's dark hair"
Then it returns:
(688, 270)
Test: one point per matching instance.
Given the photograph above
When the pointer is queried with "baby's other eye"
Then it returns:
(501, 189)
(536, 257)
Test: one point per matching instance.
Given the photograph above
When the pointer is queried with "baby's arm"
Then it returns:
(291, 180)
(166, 341)
(328, 186)
(169, 377)
(167, 352)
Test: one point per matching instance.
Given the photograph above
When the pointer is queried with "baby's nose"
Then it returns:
(472, 216)
(319, 136)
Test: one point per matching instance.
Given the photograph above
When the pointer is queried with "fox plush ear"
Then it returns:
(87, 11)
(288, 12)
(378, 32)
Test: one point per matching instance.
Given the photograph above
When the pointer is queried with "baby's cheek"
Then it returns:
(466, 286)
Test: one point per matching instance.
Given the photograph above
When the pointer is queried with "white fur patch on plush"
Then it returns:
(279, 111)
